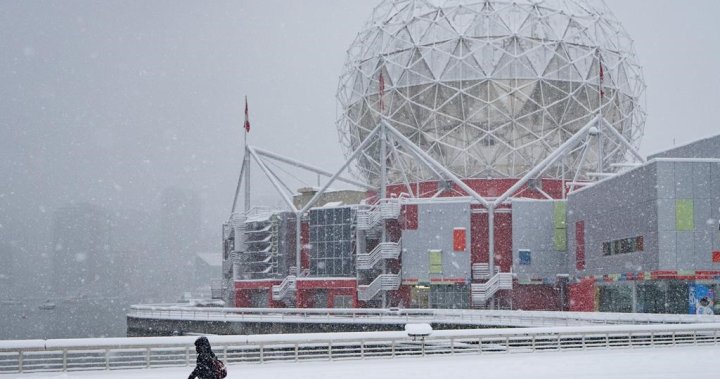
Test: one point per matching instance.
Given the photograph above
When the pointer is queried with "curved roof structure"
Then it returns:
(490, 88)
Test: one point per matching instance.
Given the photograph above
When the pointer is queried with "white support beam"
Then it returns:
(427, 159)
(424, 162)
(354, 155)
(239, 184)
(308, 167)
(549, 160)
(272, 179)
(580, 164)
(623, 141)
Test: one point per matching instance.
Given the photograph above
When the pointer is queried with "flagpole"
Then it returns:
(600, 112)
(246, 159)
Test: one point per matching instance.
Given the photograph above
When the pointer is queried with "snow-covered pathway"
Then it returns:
(656, 363)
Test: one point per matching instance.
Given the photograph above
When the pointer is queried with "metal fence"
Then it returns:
(138, 353)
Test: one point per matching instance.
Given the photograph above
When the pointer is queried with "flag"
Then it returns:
(247, 118)
(602, 79)
(381, 85)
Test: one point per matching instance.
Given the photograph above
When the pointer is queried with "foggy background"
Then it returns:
(121, 133)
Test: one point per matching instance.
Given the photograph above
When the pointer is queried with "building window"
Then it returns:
(624, 246)
(525, 257)
(453, 296)
(435, 260)
(342, 301)
(332, 237)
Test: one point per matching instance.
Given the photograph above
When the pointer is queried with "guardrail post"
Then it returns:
(21, 358)
(147, 357)
(187, 356)
(392, 349)
(64, 366)
(452, 345)
(262, 352)
(330, 351)
(107, 359)
(297, 352)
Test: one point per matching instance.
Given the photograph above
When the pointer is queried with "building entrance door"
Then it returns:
(419, 297)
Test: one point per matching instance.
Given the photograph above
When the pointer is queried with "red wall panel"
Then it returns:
(582, 296)
(306, 290)
(535, 297)
(459, 238)
(409, 217)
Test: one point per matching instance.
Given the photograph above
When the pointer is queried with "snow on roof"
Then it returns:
(333, 204)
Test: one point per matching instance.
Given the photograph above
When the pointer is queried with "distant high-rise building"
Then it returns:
(82, 253)
(180, 226)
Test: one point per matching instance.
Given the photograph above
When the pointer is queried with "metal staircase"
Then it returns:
(481, 271)
(384, 250)
(283, 290)
(384, 282)
(370, 224)
(368, 217)
(482, 292)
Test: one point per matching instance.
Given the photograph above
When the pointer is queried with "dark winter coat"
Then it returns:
(205, 357)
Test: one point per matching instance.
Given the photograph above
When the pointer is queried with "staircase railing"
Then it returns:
(385, 209)
(481, 271)
(384, 250)
(482, 292)
(288, 285)
(384, 282)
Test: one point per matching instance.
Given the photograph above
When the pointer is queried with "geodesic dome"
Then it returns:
(490, 88)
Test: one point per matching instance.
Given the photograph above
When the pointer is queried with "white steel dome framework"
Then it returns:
(491, 88)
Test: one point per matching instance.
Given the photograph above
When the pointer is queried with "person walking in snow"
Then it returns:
(205, 358)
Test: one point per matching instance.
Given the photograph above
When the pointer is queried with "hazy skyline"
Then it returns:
(111, 102)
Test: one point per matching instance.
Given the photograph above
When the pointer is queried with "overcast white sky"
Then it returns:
(109, 102)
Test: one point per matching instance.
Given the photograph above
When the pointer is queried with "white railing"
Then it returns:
(482, 292)
(287, 286)
(383, 282)
(481, 271)
(369, 217)
(459, 317)
(384, 250)
(129, 353)
(390, 209)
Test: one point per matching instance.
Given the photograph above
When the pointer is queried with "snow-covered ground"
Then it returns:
(694, 362)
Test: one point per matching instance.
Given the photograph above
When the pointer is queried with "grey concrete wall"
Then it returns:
(643, 202)
(621, 207)
(704, 148)
(533, 229)
(699, 182)
(436, 223)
